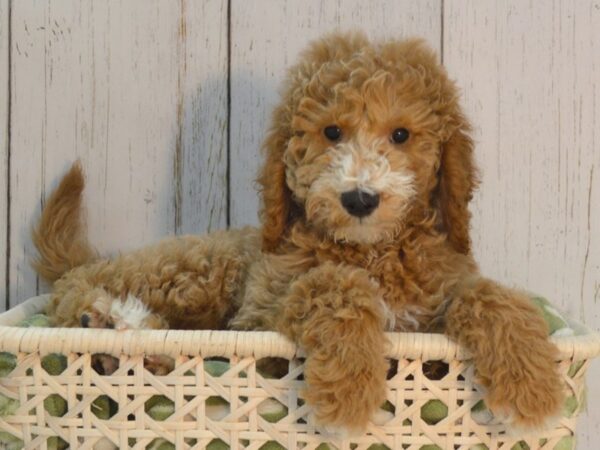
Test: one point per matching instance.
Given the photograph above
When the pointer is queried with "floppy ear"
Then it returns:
(457, 181)
(276, 196)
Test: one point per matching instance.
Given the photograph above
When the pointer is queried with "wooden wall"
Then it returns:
(166, 104)
(4, 143)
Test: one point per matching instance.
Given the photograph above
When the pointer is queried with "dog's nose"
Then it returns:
(359, 203)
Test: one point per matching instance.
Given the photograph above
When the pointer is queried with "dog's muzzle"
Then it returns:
(359, 203)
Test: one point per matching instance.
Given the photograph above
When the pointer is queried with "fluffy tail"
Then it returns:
(60, 235)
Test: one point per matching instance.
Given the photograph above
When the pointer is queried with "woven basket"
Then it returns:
(410, 389)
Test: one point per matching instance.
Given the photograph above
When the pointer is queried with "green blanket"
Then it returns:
(160, 407)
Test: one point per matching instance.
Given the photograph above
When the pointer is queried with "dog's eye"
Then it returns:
(400, 136)
(332, 132)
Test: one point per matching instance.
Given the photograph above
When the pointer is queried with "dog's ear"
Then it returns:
(276, 196)
(457, 181)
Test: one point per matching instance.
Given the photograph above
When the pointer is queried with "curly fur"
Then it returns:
(328, 280)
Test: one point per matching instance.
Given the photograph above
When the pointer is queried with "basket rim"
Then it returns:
(228, 343)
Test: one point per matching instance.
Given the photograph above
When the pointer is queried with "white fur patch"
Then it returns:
(389, 316)
(404, 320)
(358, 166)
(131, 313)
(407, 317)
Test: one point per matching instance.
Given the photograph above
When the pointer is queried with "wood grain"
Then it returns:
(260, 56)
(117, 84)
(530, 79)
(4, 123)
(202, 118)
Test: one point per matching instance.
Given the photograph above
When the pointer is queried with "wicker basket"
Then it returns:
(189, 386)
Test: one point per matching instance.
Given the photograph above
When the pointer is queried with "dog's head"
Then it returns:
(367, 138)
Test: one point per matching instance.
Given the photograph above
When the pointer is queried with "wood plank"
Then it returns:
(4, 142)
(123, 85)
(203, 113)
(530, 76)
(260, 56)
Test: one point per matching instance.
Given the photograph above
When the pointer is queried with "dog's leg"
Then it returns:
(513, 357)
(335, 314)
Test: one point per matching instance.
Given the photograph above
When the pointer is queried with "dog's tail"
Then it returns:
(60, 236)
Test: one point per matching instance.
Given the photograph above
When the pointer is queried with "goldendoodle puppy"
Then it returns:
(365, 228)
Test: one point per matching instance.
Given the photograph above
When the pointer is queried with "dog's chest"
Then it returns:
(410, 295)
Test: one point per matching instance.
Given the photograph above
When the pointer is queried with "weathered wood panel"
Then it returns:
(4, 121)
(133, 89)
(202, 117)
(530, 76)
(261, 54)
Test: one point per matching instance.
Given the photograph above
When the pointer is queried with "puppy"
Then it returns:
(365, 228)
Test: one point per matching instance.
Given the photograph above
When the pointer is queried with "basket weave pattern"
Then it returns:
(244, 388)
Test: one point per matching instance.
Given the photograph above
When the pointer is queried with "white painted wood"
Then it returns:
(202, 117)
(4, 101)
(129, 87)
(261, 54)
(530, 75)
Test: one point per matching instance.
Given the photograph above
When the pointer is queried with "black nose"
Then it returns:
(360, 203)
(85, 321)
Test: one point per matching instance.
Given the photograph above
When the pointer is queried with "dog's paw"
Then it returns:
(532, 403)
(345, 400)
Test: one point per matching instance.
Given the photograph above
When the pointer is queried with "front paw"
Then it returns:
(345, 398)
(527, 399)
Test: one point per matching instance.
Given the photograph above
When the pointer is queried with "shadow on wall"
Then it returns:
(201, 157)
(253, 100)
